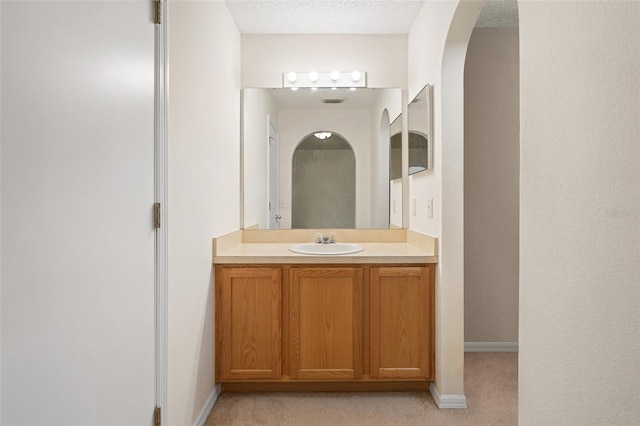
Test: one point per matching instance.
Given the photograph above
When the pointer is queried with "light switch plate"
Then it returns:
(413, 206)
(430, 208)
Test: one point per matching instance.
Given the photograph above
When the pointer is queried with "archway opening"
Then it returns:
(323, 182)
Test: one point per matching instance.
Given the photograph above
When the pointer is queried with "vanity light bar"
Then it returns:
(313, 79)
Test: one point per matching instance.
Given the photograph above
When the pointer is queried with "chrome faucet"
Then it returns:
(326, 238)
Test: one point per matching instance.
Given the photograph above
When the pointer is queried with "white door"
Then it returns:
(77, 174)
(274, 198)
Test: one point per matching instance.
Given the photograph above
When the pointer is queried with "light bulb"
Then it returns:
(355, 75)
(294, 88)
(322, 135)
(313, 76)
(292, 76)
(335, 75)
(314, 89)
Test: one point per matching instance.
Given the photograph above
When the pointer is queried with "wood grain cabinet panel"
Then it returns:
(325, 323)
(249, 323)
(313, 327)
(401, 323)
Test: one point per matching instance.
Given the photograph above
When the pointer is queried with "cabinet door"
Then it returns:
(249, 323)
(326, 323)
(401, 320)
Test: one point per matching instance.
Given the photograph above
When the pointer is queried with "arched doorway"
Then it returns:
(323, 182)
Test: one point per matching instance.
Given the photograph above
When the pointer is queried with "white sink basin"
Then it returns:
(326, 249)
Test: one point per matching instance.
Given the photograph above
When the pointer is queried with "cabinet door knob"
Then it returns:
(278, 217)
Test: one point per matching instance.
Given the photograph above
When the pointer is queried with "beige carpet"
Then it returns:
(491, 388)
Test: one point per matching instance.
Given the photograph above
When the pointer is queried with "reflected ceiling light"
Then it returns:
(313, 76)
(294, 88)
(322, 135)
(353, 89)
(335, 75)
(355, 75)
(314, 89)
(292, 76)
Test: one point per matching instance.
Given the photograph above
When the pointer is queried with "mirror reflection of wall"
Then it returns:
(419, 122)
(418, 152)
(395, 174)
(395, 149)
(355, 115)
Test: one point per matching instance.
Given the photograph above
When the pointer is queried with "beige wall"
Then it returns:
(266, 57)
(204, 187)
(491, 182)
(580, 213)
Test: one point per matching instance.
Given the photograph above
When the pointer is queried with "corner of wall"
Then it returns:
(208, 406)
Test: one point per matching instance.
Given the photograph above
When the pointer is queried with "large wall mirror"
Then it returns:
(303, 149)
(420, 132)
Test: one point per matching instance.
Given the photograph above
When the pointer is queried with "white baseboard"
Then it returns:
(211, 401)
(491, 346)
(447, 401)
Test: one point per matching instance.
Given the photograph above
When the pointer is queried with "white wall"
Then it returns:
(353, 125)
(204, 187)
(257, 105)
(580, 213)
(266, 57)
(491, 185)
(426, 46)
(437, 49)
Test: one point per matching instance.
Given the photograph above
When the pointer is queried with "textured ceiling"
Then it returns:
(498, 13)
(348, 16)
(324, 16)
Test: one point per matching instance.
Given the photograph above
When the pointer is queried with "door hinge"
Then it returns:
(158, 17)
(157, 215)
(158, 415)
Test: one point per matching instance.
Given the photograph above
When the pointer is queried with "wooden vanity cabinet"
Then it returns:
(351, 325)
(249, 323)
(401, 313)
(325, 325)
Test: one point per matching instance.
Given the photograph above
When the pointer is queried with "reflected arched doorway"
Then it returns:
(323, 183)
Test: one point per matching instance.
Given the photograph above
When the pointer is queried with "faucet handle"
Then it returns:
(332, 237)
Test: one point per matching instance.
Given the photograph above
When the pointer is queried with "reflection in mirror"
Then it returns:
(395, 174)
(395, 149)
(419, 122)
(291, 116)
(324, 183)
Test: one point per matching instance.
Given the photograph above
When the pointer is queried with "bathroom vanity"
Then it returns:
(289, 321)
